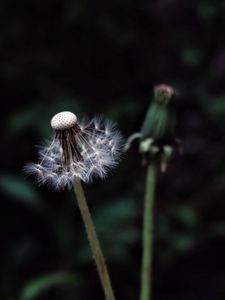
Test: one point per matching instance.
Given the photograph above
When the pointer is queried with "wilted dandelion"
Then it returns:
(79, 150)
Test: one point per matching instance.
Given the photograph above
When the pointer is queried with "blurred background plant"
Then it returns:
(105, 57)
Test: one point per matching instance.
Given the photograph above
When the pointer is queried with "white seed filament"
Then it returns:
(79, 150)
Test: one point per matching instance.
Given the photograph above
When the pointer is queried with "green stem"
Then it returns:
(146, 273)
(94, 242)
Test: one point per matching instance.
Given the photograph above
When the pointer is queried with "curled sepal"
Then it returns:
(167, 152)
(131, 139)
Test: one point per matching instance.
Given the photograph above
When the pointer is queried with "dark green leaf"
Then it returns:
(41, 284)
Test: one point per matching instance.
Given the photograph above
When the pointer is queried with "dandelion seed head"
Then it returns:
(77, 151)
(63, 120)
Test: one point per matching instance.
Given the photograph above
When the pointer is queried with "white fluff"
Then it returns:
(99, 146)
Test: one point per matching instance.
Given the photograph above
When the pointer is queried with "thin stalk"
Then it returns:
(146, 272)
(94, 242)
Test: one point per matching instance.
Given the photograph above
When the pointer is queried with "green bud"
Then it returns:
(160, 120)
(157, 135)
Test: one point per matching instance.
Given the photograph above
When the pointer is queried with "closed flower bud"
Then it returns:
(159, 123)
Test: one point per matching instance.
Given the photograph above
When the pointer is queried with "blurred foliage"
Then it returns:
(15, 187)
(104, 58)
(40, 285)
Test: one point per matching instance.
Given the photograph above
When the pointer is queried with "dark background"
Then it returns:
(104, 57)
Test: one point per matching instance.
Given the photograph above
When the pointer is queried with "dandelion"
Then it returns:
(84, 150)
(80, 151)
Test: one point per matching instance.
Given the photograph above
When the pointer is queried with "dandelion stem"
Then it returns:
(94, 242)
(146, 273)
